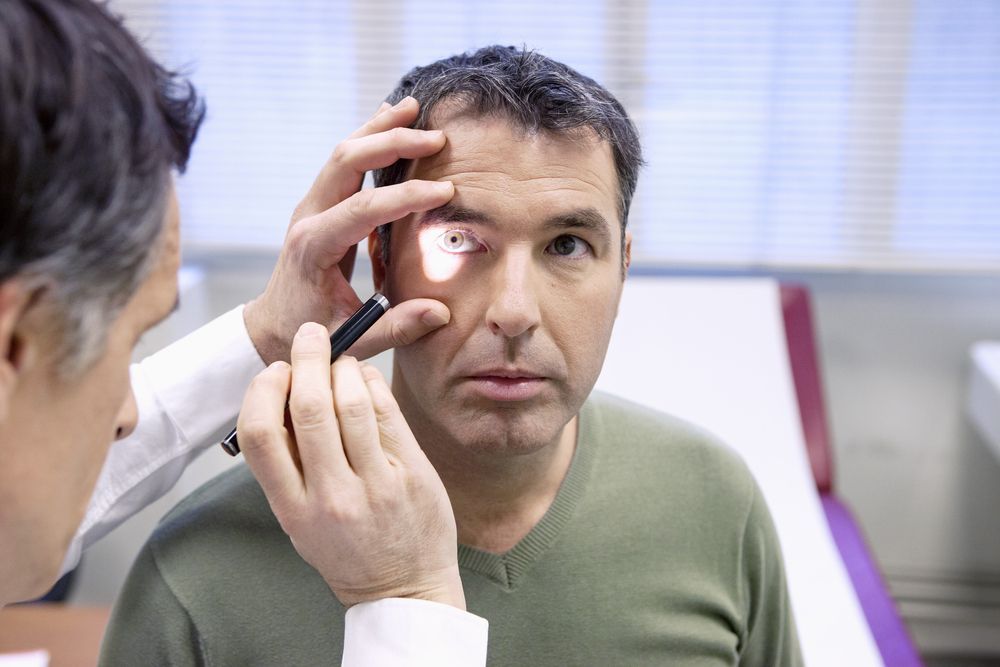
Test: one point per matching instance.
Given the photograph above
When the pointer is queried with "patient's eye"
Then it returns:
(569, 246)
(457, 241)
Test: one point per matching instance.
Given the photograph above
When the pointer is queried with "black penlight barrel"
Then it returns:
(356, 325)
(346, 335)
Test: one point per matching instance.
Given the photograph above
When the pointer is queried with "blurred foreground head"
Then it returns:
(90, 130)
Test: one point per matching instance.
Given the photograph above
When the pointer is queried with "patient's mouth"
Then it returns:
(506, 384)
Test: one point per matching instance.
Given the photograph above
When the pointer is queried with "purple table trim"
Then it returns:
(891, 636)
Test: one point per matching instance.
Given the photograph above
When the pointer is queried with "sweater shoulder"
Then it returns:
(232, 499)
(633, 426)
(223, 533)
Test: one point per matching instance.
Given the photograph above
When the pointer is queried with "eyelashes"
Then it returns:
(569, 246)
(461, 241)
(458, 241)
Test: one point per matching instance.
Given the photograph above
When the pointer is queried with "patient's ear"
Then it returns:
(16, 351)
(378, 266)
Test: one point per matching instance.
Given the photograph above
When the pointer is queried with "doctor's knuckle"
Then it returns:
(309, 407)
(342, 510)
(353, 409)
(342, 152)
(361, 205)
(399, 335)
(257, 432)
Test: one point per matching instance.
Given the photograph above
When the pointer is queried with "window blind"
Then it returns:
(844, 134)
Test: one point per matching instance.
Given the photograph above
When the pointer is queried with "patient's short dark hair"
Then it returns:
(90, 127)
(533, 92)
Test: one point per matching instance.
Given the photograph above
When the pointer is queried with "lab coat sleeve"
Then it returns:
(188, 396)
(403, 631)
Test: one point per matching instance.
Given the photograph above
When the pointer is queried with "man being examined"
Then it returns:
(590, 530)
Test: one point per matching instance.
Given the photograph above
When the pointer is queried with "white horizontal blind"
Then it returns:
(820, 133)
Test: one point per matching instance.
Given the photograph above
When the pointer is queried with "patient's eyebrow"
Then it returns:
(583, 218)
(453, 213)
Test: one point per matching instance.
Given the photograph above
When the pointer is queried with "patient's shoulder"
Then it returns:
(225, 522)
(231, 500)
(646, 443)
(633, 425)
(223, 542)
(221, 560)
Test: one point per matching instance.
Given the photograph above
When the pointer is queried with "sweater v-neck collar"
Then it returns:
(509, 568)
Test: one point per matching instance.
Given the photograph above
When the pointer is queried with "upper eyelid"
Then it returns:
(464, 230)
(590, 246)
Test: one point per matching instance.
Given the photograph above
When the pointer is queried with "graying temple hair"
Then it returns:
(89, 280)
(90, 127)
(532, 91)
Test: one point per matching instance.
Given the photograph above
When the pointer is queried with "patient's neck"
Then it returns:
(497, 497)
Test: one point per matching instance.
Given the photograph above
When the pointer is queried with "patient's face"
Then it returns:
(528, 258)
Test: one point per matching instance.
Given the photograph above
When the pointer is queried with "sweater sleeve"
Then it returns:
(770, 638)
(149, 625)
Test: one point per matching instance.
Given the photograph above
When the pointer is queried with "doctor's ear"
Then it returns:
(16, 351)
(378, 265)
(627, 250)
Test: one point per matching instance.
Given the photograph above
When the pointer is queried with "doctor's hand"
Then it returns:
(311, 281)
(346, 478)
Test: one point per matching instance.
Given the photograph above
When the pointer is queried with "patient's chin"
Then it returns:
(506, 434)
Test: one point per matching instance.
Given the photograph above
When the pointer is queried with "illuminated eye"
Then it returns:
(456, 241)
(569, 246)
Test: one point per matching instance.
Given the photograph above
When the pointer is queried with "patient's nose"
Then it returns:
(514, 308)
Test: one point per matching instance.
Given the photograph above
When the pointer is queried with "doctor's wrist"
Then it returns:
(448, 591)
(270, 343)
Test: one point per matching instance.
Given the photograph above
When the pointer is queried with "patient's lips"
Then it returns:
(506, 383)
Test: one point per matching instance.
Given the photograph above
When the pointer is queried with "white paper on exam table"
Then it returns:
(713, 351)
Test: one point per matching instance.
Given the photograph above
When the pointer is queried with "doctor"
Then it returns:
(90, 130)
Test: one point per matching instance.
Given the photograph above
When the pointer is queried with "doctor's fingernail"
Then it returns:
(312, 330)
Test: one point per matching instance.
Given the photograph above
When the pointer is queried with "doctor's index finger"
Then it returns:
(400, 114)
(310, 405)
(329, 235)
(264, 440)
(383, 149)
(338, 178)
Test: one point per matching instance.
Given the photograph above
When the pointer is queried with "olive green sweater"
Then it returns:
(658, 550)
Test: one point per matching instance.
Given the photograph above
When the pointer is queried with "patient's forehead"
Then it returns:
(490, 158)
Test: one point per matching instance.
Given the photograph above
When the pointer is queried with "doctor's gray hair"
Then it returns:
(531, 91)
(90, 127)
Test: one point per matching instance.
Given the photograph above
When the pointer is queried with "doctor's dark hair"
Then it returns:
(90, 128)
(535, 93)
